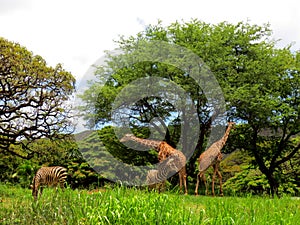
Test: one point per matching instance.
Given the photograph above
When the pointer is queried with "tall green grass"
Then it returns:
(130, 206)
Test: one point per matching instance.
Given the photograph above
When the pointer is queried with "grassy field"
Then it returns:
(130, 206)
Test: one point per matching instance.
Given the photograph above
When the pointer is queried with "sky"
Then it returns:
(75, 33)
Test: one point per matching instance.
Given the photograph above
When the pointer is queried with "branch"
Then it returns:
(288, 157)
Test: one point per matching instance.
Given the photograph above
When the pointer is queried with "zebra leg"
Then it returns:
(159, 187)
(162, 186)
(62, 186)
(41, 190)
(35, 193)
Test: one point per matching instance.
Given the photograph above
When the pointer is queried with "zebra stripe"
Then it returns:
(156, 178)
(48, 176)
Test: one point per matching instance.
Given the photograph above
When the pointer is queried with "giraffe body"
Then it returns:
(212, 157)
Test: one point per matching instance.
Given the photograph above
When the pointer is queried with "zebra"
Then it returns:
(156, 177)
(48, 176)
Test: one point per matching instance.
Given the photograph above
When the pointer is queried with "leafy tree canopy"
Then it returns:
(32, 98)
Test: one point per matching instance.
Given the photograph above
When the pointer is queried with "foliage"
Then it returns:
(234, 162)
(8, 168)
(241, 176)
(249, 180)
(130, 206)
(24, 173)
(33, 99)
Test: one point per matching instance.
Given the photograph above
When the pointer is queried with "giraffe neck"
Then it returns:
(225, 137)
(146, 142)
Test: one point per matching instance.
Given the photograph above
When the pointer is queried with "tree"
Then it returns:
(33, 99)
(259, 81)
(265, 95)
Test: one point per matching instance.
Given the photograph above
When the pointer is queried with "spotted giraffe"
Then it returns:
(212, 157)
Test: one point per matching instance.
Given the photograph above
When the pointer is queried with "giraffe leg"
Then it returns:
(205, 183)
(220, 179)
(213, 180)
(180, 182)
(197, 184)
(185, 184)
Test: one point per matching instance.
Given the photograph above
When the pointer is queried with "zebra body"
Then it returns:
(156, 178)
(48, 176)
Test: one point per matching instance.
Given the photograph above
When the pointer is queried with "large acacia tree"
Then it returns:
(260, 84)
(33, 99)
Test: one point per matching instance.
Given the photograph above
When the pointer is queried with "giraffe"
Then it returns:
(212, 157)
(164, 151)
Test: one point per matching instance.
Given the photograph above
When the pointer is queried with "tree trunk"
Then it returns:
(269, 172)
(273, 184)
(198, 150)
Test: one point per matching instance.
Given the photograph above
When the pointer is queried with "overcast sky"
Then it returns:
(75, 33)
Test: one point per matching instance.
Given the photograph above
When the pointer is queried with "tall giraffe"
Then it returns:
(212, 157)
(164, 151)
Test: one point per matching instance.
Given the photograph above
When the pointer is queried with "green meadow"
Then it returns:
(121, 205)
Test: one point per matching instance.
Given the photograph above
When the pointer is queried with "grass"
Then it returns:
(130, 206)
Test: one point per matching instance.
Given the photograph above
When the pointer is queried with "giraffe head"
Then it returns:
(231, 124)
(127, 137)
